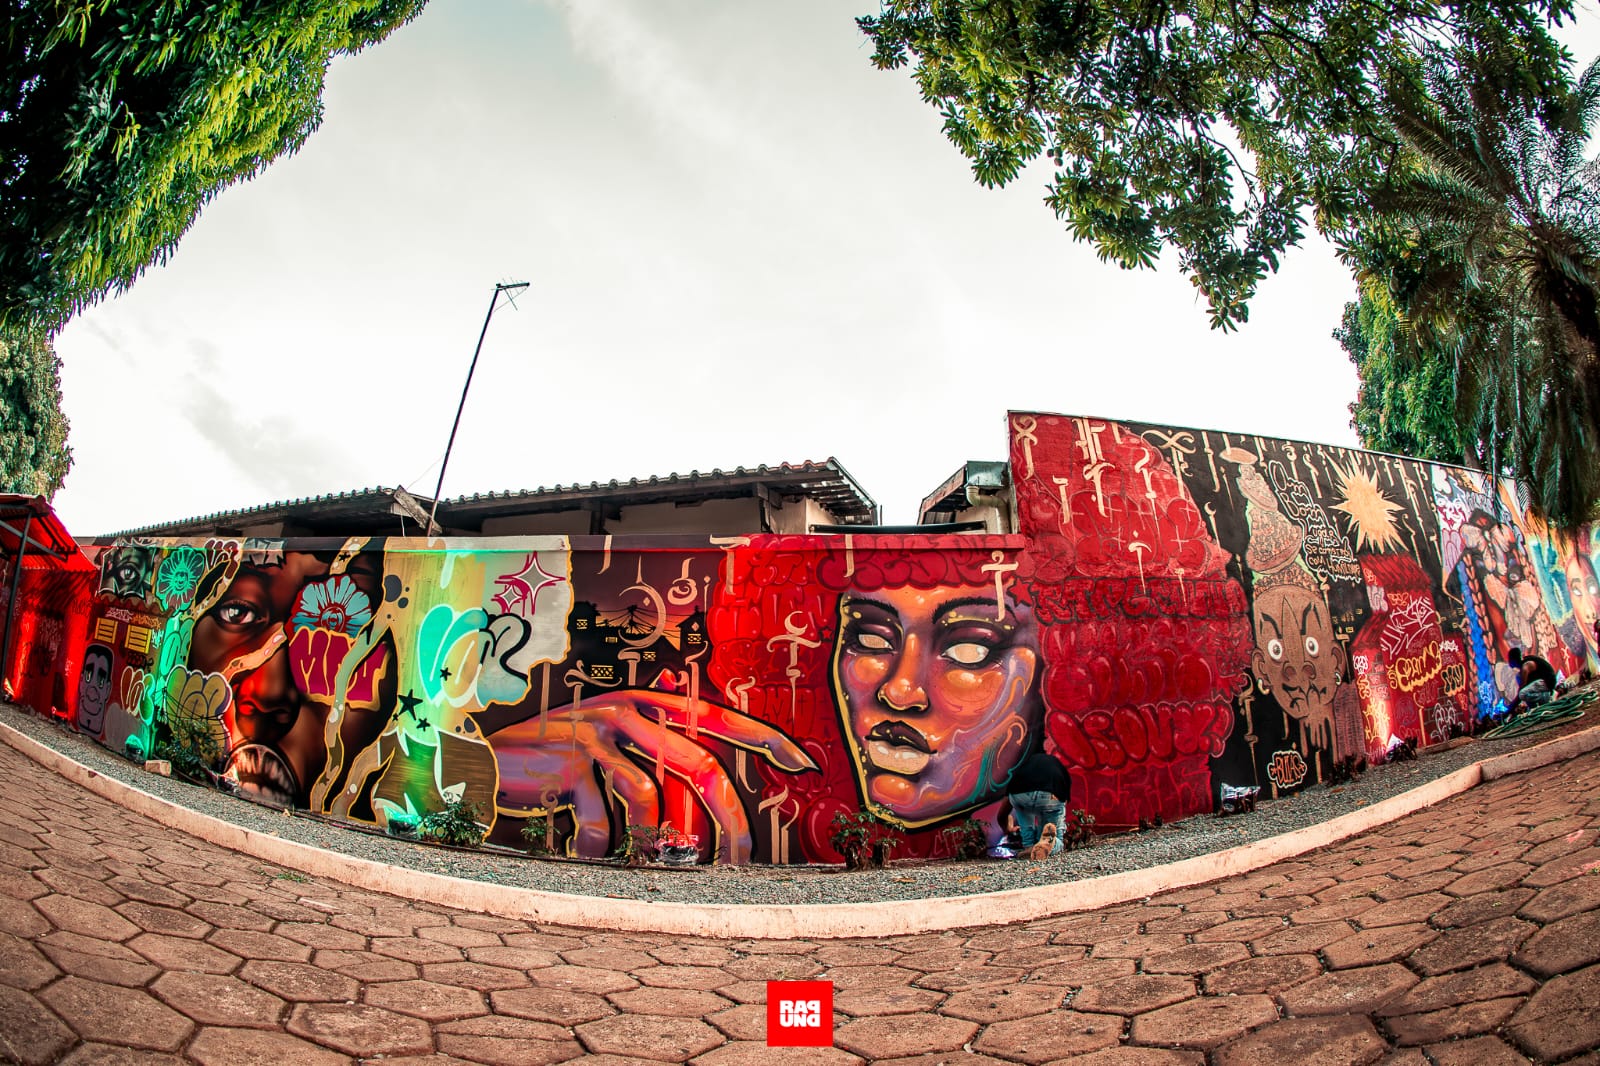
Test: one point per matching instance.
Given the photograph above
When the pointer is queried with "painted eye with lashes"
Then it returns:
(969, 653)
(873, 642)
(239, 613)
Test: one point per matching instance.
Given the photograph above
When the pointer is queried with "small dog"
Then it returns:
(1047, 843)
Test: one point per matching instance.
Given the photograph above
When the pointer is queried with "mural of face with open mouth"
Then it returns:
(276, 727)
(940, 697)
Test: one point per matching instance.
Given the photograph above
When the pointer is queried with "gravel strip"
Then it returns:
(785, 885)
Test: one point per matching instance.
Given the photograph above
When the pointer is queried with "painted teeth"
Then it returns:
(262, 775)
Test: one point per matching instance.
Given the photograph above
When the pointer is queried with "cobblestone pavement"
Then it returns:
(1465, 934)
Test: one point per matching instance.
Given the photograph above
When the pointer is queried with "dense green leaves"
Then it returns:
(120, 119)
(1406, 403)
(34, 457)
(1210, 128)
(1489, 247)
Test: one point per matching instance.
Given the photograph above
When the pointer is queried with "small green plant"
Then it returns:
(637, 844)
(539, 833)
(966, 840)
(864, 839)
(190, 745)
(1078, 831)
(457, 825)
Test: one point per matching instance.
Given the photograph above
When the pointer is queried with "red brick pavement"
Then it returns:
(1465, 934)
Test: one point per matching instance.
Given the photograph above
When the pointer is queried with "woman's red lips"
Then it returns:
(901, 734)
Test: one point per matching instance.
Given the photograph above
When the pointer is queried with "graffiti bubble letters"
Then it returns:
(315, 656)
(1410, 672)
(1287, 769)
(1095, 599)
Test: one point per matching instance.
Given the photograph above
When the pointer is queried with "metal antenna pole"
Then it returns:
(512, 287)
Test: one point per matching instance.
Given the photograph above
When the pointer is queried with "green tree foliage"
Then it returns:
(1206, 128)
(1490, 249)
(34, 457)
(1406, 402)
(120, 119)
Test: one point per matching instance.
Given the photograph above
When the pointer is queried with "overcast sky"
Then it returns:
(745, 244)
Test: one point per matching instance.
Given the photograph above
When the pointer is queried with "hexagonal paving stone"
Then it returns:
(32, 1034)
(172, 922)
(247, 1047)
(1473, 945)
(1452, 1023)
(1360, 990)
(1046, 1037)
(1477, 1051)
(212, 999)
(1566, 945)
(705, 978)
(427, 1000)
(92, 920)
(1206, 1022)
(1195, 958)
(113, 1014)
(556, 1005)
(1494, 981)
(663, 1038)
(360, 1029)
(494, 1040)
(869, 1002)
(588, 979)
(1265, 974)
(1338, 1040)
(1482, 907)
(1560, 1019)
(891, 1037)
(1372, 946)
(181, 953)
(366, 966)
(299, 982)
(1138, 994)
(757, 1053)
(682, 1002)
(1564, 899)
(1002, 1004)
(22, 965)
(111, 1055)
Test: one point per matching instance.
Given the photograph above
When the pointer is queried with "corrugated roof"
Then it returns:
(828, 482)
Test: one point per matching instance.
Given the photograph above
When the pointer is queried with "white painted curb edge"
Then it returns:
(821, 920)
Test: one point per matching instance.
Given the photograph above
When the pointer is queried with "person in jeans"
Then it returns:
(1038, 791)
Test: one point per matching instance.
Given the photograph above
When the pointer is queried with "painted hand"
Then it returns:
(614, 746)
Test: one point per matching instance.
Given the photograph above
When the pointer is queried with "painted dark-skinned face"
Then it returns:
(1296, 655)
(940, 698)
(277, 732)
(94, 689)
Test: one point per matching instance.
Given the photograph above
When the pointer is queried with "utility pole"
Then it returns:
(512, 289)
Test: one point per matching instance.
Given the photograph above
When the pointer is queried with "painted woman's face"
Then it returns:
(1585, 593)
(940, 697)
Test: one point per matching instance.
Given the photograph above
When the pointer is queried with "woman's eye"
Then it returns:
(238, 613)
(1275, 650)
(1312, 645)
(968, 653)
(872, 642)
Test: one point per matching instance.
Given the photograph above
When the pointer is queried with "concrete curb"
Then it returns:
(802, 920)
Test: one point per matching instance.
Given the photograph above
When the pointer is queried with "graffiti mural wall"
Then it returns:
(1282, 605)
(1180, 610)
